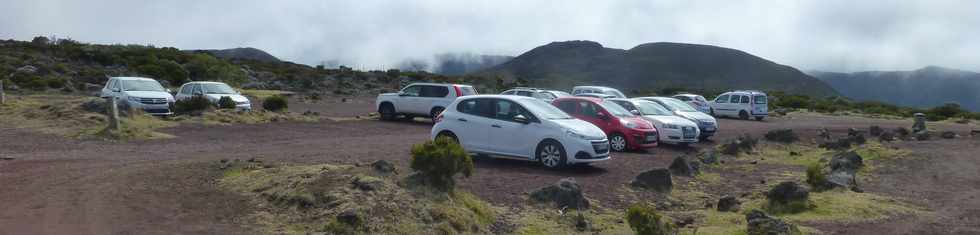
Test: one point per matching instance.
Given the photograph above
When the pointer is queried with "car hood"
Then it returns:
(234, 97)
(661, 120)
(582, 127)
(696, 116)
(150, 94)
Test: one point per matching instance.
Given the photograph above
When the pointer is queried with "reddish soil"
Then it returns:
(55, 185)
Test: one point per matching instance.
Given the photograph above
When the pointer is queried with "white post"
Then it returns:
(113, 114)
(3, 96)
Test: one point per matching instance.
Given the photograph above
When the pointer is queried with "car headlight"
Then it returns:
(134, 99)
(631, 125)
(671, 126)
(572, 133)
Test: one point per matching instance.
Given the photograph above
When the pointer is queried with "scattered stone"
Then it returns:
(566, 193)
(368, 183)
(383, 166)
(744, 143)
(875, 131)
(728, 203)
(783, 111)
(681, 166)
(824, 133)
(708, 156)
(782, 136)
(5, 158)
(849, 161)
(902, 132)
(886, 136)
(922, 136)
(788, 192)
(657, 179)
(839, 144)
(343, 100)
(920, 123)
(754, 162)
(853, 132)
(948, 135)
(350, 217)
(761, 224)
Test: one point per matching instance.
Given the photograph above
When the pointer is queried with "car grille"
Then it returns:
(153, 100)
(600, 147)
(689, 132)
(650, 137)
(156, 111)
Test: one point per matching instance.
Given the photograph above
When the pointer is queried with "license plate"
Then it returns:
(651, 138)
(689, 135)
(709, 128)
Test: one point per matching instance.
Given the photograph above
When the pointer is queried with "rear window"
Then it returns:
(684, 98)
(760, 99)
(434, 91)
(467, 90)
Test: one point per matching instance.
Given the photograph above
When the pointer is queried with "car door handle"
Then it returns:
(461, 119)
(495, 125)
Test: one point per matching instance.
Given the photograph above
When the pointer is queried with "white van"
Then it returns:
(578, 90)
(741, 104)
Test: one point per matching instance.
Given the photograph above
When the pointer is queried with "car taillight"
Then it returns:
(438, 117)
(459, 92)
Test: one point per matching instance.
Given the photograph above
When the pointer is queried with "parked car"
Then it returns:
(741, 104)
(558, 94)
(707, 124)
(213, 91)
(672, 129)
(420, 99)
(521, 128)
(140, 93)
(596, 95)
(696, 101)
(625, 130)
(597, 89)
(531, 92)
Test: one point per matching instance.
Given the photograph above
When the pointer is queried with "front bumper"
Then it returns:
(642, 139)
(707, 128)
(585, 151)
(688, 134)
(154, 108)
(245, 106)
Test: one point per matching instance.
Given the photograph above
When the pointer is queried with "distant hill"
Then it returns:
(463, 63)
(247, 53)
(926, 87)
(655, 66)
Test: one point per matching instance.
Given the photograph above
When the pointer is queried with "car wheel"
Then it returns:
(448, 135)
(618, 142)
(552, 155)
(387, 112)
(758, 118)
(703, 137)
(743, 115)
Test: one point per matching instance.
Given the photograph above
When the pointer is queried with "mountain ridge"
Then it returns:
(924, 87)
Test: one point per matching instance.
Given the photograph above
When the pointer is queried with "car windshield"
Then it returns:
(678, 105)
(544, 110)
(760, 99)
(616, 109)
(560, 93)
(651, 108)
(142, 85)
(218, 88)
(615, 93)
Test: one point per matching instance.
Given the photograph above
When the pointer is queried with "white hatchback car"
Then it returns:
(214, 91)
(140, 93)
(707, 124)
(523, 128)
(673, 129)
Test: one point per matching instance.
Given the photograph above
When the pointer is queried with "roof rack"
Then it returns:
(749, 91)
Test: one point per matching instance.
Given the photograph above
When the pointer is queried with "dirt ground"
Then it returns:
(54, 185)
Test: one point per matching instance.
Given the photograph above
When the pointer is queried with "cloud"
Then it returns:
(824, 35)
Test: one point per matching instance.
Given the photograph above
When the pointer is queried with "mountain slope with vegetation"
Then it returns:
(655, 66)
(246, 53)
(925, 87)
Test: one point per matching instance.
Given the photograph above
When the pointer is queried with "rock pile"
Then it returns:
(782, 135)
(761, 224)
(657, 179)
(566, 193)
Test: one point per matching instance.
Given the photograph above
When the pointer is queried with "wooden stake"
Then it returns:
(113, 114)
(3, 96)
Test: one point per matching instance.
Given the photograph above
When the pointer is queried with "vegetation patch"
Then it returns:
(262, 94)
(540, 221)
(64, 115)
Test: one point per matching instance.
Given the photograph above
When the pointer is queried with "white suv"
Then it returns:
(213, 91)
(420, 99)
(741, 104)
(140, 93)
(673, 129)
(522, 128)
(578, 90)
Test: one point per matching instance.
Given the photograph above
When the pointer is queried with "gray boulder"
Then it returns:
(761, 224)
(383, 166)
(847, 161)
(922, 135)
(565, 193)
(657, 179)
(367, 183)
(948, 135)
(681, 166)
(875, 131)
(728, 203)
(782, 136)
(788, 192)
(708, 156)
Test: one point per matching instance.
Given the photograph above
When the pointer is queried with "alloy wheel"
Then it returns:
(550, 155)
(618, 143)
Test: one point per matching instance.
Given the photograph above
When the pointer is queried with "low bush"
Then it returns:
(194, 105)
(646, 221)
(275, 103)
(437, 162)
(226, 103)
(815, 176)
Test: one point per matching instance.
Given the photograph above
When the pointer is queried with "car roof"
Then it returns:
(691, 95)
(133, 78)
(594, 87)
(435, 84)
(508, 97)
(581, 98)
(204, 82)
(751, 92)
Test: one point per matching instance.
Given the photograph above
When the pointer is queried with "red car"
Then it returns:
(625, 130)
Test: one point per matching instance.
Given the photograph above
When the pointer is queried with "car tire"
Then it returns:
(387, 112)
(743, 115)
(551, 154)
(450, 135)
(703, 137)
(758, 118)
(619, 140)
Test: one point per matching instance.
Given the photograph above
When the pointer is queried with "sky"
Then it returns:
(826, 35)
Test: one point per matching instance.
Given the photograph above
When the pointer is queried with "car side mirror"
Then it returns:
(635, 112)
(602, 116)
(521, 119)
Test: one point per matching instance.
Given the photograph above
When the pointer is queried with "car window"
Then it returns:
(651, 108)
(477, 107)
(678, 105)
(434, 91)
(625, 104)
(544, 95)
(186, 89)
(545, 110)
(745, 99)
(722, 99)
(588, 109)
(700, 98)
(510, 92)
(567, 106)
(467, 107)
(524, 93)
(217, 88)
(683, 98)
(196, 89)
(735, 99)
(507, 110)
(615, 109)
(760, 99)
(412, 90)
(142, 85)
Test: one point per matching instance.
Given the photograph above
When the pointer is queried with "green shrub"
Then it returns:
(226, 103)
(55, 82)
(646, 221)
(815, 176)
(193, 105)
(438, 161)
(275, 103)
